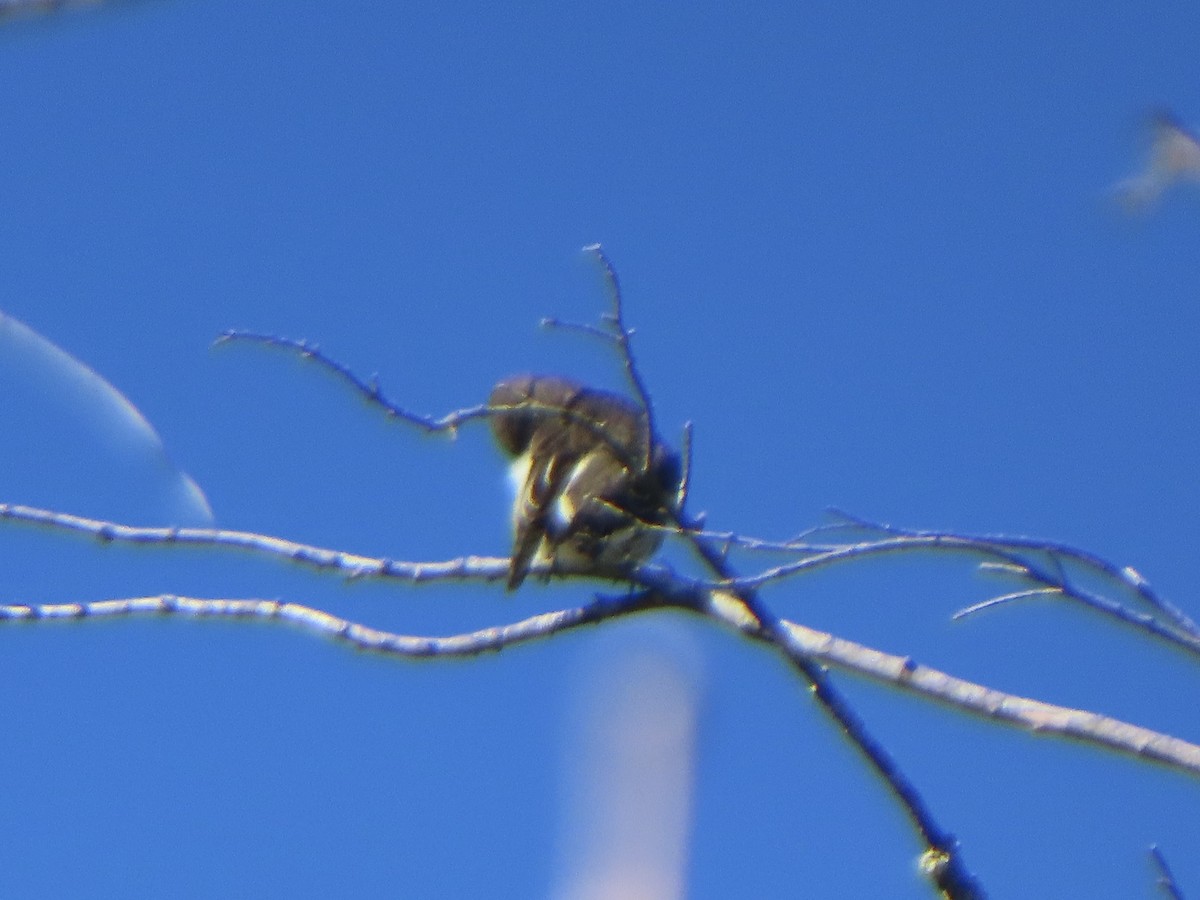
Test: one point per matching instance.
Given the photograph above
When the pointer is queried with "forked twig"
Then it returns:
(1007, 555)
(1127, 576)
(614, 332)
(731, 600)
(368, 389)
(371, 392)
(942, 862)
(946, 869)
(621, 335)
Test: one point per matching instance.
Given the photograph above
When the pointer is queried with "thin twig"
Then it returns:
(1012, 553)
(1165, 880)
(594, 331)
(368, 389)
(685, 475)
(622, 334)
(1005, 598)
(372, 393)
(1126, 575)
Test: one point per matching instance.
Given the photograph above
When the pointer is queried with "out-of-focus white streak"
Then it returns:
(9, 8)
(632, 762)
(54, 371)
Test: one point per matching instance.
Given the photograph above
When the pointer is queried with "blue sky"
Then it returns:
(870, 254)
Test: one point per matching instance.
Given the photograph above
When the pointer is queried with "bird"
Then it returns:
(1174, 158)
(589, 498)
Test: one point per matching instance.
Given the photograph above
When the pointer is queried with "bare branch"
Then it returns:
(948, 873)
(731, 600)
(372, 393)
(324, 624)
(368, 389)
(1005, 598)
(800, 642)
(1010, 555)
(1033, 715)
(622, 334)
(685, 476)
(594, 331)
(1165, 880)
(669, 588)
(808, 650)
(1125, 575)
(351, 565)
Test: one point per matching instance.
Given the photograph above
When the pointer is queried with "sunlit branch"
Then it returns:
(323, 624)
(1033, 715)
(358, 566)
(1013, 556)
(945, 867)
(799, 642)
(1006, 598)
(1152, 626)
(685, 475)
(807, 649)
(731, 600)
(1125, 575)
(350, 565)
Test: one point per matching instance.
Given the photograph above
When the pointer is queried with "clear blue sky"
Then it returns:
(868, 252)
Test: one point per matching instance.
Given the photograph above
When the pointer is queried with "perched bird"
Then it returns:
(1174, 158)
(587, 491)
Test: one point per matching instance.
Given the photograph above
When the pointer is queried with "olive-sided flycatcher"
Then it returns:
(588, 495)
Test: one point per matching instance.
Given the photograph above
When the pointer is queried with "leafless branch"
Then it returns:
(730, 599)
(1006, 598)
(1165, 880)
(350, 565)
(1012, 556)
(685, 476)
(944, 863)
(622, 335)
(799, 642)
(1127, 576)
(593, 331)
(369, 389)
